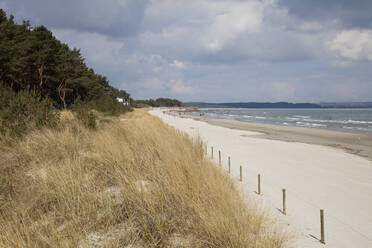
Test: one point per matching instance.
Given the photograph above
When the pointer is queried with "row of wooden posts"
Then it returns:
(284, 210)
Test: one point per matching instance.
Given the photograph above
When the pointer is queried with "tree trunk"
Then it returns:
(62, 92)
(41, 71)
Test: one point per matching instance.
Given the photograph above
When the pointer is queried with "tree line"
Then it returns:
(40, 75)
(32, 59)
(159, 102)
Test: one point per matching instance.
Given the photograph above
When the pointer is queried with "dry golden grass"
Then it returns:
(135, 182)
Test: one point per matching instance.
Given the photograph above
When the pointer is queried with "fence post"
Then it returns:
(229, 166)
(284, 207)
(241, 174)
(259, 184)
(322, 240)
(219, 158)
(212, 152)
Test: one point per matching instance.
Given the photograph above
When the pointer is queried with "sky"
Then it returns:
(218, 50)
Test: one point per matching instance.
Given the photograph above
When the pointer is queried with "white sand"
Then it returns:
(315, 177)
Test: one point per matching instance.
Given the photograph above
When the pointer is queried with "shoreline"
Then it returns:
(314, 176)
(354, 143)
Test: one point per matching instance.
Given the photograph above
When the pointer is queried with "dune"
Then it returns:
(315, 177)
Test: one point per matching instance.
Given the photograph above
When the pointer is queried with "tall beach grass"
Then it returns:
(132, 182)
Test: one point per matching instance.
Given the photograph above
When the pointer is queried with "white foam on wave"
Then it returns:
(292, 119)
(339, 121)
(306, 124)
(359, 122)
(318, 125)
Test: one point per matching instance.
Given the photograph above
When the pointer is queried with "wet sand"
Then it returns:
(359, 144)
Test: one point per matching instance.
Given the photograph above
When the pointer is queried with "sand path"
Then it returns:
(314, 176)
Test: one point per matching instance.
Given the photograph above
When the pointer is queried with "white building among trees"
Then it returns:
(126, 102)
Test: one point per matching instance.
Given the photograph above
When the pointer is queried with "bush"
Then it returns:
(23, 111)
(106, 105)
(109, 106)
(85, 115)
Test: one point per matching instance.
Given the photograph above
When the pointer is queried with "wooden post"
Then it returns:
(322, 226)
(229, 166)
(219, 158)
(259, 184)
(212, 152)
(241, 174)
(284, 207)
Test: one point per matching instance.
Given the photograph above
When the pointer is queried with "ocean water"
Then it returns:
(348, 120)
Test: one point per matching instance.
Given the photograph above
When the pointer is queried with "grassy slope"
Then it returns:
(134, 182)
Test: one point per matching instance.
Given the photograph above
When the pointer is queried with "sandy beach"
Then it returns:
(309, 164)
(355, 143)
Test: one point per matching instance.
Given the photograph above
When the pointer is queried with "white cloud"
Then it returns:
(200, 26)
(231, 18)
(178, 64)
(352, 44)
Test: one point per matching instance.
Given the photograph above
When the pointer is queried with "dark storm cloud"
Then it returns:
(349, 13)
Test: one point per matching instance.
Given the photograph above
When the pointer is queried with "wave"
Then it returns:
(300, 123)
(292, 118)
(359, 122)
(339, 121)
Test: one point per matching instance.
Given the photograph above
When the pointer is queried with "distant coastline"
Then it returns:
(280, 105)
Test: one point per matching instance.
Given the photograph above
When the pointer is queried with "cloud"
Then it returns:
(282, 91)
(348, 14)
(231, 19)
(178, 87)
(352, 44)
(178, 64)
(99, 47)
(199, 28)
(111, 17)
(153, 84)
(218, 50)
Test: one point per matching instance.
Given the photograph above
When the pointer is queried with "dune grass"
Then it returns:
(133, 182)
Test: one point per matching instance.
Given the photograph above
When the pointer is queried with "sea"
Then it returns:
(347, 120)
